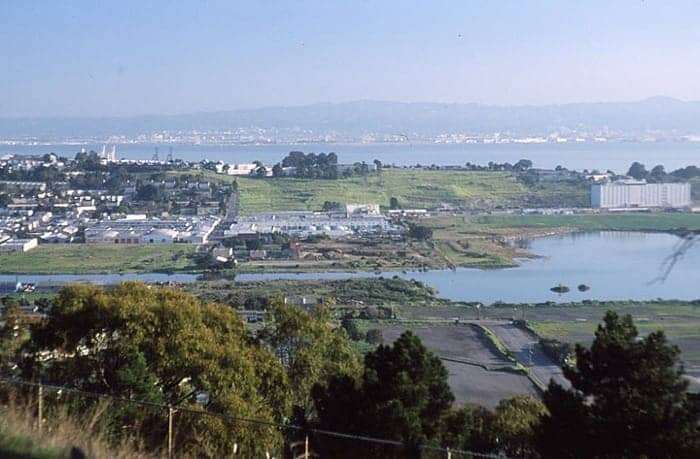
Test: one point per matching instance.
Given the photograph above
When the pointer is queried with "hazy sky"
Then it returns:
(123, 58)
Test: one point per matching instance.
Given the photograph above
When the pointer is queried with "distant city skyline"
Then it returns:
(124, 59)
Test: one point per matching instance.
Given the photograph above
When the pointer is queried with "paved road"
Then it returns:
(523, 345)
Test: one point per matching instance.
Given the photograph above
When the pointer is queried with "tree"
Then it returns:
(14, 331)
(374, 336)
(148, 192)
(514, 423)
(309, 347)
(628, 399)
(420, 232)
(394, 203)
(5, 199)
(277, 170)
(523, 165)
(658, 173)
(350, 327)
(164, 346)
(260, 171)
(402, 395)
(637, 171)
(331, 206)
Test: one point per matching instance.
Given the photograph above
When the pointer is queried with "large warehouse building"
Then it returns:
(640, 194)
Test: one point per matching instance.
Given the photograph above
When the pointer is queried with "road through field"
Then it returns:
(523, 345)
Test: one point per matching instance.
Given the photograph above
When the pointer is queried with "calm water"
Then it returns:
(612, 155)
(615, 265)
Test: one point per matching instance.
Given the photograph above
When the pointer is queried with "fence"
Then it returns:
(301, 449)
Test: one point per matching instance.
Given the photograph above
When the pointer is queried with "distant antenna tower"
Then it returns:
(155, 155)
(170, 154)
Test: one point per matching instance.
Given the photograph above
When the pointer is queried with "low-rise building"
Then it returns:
(141, 230)
(19, 245)
(304, 224)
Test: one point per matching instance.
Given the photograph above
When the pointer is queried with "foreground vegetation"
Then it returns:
(63, 436)
(628, 398)
(110, 259)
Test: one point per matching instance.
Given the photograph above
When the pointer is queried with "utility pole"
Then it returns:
(40, 407)
(170, 431)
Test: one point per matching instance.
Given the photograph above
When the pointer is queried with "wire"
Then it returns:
(234, 419)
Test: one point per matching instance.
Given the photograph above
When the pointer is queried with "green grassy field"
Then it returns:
(84, 259)
(679, 320)
(413, 189)
(620, 222)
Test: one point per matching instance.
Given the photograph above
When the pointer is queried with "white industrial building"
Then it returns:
(304, 224)
(623, 194)
(141, 230)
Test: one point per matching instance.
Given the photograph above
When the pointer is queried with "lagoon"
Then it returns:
(616, 266)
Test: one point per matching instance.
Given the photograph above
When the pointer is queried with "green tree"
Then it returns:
(5, 199)
(628, 399)
(394, 203)
(638, 171)
(658, 173)
(514, 423)
(374, 336)
(148, 192)
(403, 395)
(420, 232)
(14, 332)
(162, 345)
(523, 165)
(350, 327)
(310, 348)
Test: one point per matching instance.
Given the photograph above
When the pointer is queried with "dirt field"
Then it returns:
(469, 383)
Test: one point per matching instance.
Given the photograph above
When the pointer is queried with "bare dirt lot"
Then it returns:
(469, 383)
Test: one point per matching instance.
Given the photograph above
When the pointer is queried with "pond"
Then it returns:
(615, 265)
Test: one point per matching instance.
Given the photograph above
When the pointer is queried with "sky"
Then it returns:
(87, 58)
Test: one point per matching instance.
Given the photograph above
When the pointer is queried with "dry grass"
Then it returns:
(21, 438)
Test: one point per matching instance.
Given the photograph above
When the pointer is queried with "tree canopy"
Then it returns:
(165, 346)
(628, 399)
(402, 395)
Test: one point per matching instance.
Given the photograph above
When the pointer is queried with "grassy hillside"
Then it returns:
(413, 188)
(83, 258)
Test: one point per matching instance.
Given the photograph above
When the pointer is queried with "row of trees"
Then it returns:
(520, 166)
(658, 173)
(315, 166)
(628, 395)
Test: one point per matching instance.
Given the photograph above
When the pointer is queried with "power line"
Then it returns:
(234, 419)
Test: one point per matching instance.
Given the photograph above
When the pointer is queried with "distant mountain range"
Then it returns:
(656, 114)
